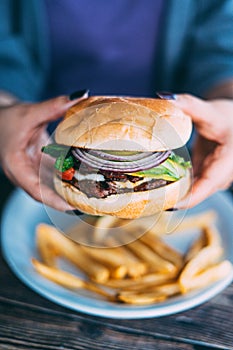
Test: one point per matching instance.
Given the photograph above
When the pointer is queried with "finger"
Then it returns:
(211, 118)
(200, 111)
(201, 149)
(216, 175)
(24, 174)
(49, 197)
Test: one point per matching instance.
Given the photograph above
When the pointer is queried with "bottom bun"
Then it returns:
(129, 205)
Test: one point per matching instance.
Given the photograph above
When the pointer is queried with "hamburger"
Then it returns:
(116, 156)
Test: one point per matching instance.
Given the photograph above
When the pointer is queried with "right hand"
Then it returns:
(212, 152)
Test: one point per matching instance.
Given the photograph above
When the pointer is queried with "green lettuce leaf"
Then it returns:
(64, 159)
(55, 150)
(172, 169)
(64, 163)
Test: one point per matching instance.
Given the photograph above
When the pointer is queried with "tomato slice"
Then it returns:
(67, 175)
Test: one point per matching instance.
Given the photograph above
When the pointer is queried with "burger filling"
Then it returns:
(100, 173)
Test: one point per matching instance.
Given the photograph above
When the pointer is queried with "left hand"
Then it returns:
(22, 134)
(212, 152)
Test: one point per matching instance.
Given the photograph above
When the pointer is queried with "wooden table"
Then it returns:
(28, 321)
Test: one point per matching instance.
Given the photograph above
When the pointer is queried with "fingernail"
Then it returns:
(74, 212)
(79, 94)
(165, 95)
(172, 209)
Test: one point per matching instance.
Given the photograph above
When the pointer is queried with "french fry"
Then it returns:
(109, 256)
(67, 279)
(199, 221)
(208, 276)
(141, 299)
(212, 235)
(94, 270)
(146, 270)
(118, 260)
(118, 272)
(148, 296)
(146, 281)
(205, 258)
(73, 253)
(146, 254)
(46, 248)
(135, 267)
(162, 249)
(208, 237)
(103, 224)
(195, 247)
(166, 290)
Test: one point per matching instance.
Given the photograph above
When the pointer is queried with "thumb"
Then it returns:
(199, 110)
(212, 118)
(52, 109)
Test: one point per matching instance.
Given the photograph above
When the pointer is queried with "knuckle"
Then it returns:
(58, 102)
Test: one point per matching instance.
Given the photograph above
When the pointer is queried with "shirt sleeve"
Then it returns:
(209, 54)
(22, 68)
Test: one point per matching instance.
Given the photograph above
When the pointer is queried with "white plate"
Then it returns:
(20, 218)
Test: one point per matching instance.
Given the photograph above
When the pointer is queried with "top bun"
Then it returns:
(124, 124)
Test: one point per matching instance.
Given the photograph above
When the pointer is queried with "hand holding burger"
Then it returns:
(212, 157)
(22, 134)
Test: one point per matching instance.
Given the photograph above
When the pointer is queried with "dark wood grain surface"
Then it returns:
(29, 321)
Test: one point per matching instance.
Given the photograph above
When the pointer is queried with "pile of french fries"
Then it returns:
(147, 270)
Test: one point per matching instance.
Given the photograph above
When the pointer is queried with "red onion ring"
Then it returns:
(117, 157)
(152, 159)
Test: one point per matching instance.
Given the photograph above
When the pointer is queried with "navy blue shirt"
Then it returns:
(108, 47)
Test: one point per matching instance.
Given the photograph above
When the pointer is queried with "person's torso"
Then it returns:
(108, 47)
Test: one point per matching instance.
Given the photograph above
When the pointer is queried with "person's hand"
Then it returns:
(22, 134)
(212, 158)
